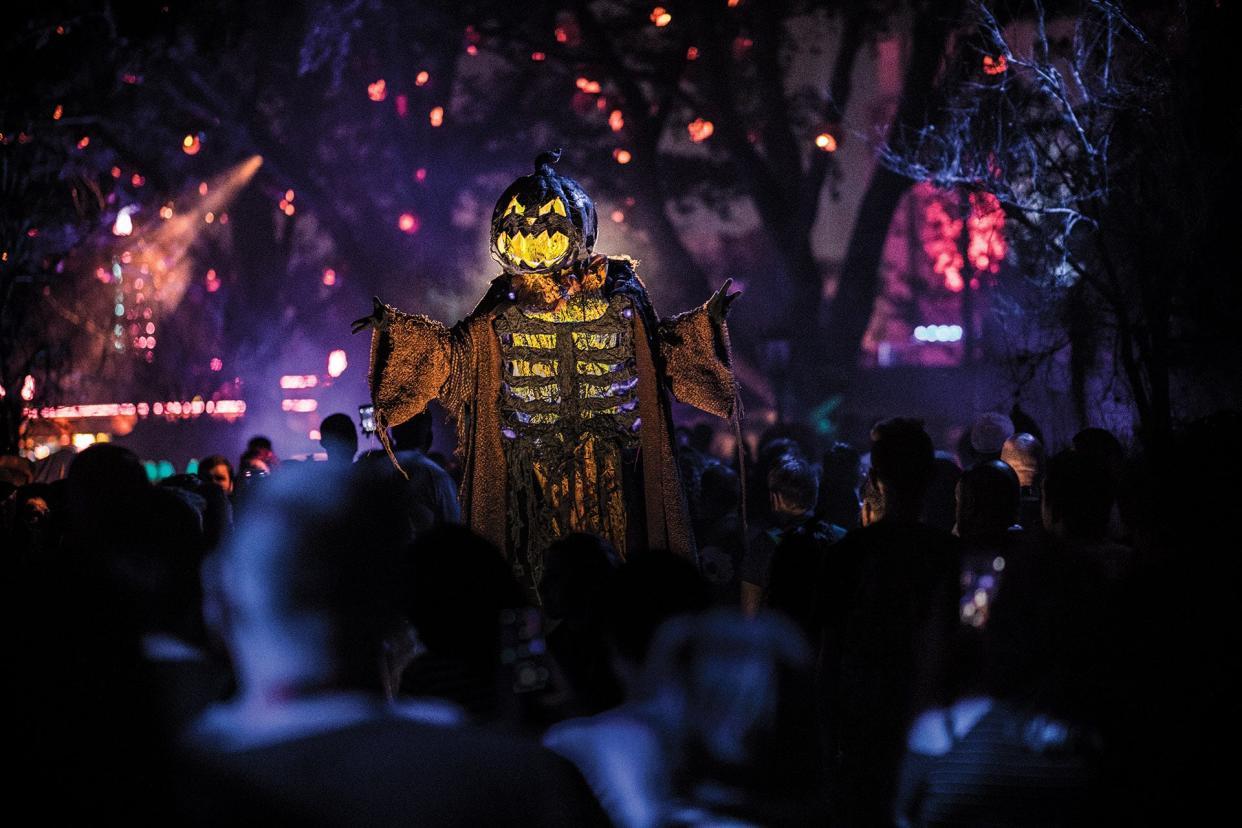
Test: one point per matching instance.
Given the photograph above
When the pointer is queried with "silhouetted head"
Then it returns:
(649, 589)
(794, 487)
(312, 581)
(458, 585)
(1103, 447)
(414, 434)
(902, 464)
(1078, 496)
(733, 695)
(339, 438)
(718, 491)
(261, 447)
(216, 469)
(1025, 455)
(989, 433)
(987, 499)
(578, 569)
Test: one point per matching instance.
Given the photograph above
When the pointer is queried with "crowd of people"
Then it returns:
(1008, 633)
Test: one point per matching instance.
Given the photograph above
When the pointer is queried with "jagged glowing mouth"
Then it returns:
(533, 251)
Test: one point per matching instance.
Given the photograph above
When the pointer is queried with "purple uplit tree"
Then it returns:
(1110, 138)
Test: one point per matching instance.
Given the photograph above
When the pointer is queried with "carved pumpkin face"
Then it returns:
(543, 223)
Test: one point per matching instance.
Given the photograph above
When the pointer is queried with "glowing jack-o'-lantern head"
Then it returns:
(543, 223)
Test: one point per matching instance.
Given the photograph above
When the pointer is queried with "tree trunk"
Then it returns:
(826, 357)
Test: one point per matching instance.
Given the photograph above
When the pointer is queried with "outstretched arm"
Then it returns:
(411, 358)
(695, 347)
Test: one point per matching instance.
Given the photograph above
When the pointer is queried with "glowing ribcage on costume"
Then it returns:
(570, 371)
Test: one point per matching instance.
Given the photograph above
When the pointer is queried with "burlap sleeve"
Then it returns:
(410, 363)
(697, 362)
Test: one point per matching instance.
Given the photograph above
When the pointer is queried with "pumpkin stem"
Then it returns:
(545, 160)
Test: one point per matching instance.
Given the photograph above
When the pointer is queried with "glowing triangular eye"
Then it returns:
(554, 205)
(515, 207)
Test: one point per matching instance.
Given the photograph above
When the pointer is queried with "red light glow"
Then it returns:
(622, 156)
(436, 116)
(190, 145)
(700, 130)
(407, 223)
(378, 90)
(994, 65)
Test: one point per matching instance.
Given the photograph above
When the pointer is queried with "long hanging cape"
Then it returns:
(417, 359)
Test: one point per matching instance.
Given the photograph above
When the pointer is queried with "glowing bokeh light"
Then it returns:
(422, 77)
(28, 388)
(661, 17)
(378, 90)
(938, 333)
(622, 156)
(298, 381)
(191, 144)
(216, 364)
(337, 363)
(124, 225)
(700, 130)
(329, 276)
(436, 116)
(299, 406)
(616, 120)
(826, 141)
(408, 223)
(587, 85)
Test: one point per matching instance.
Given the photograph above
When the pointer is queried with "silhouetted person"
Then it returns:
(1077, 507)
(649, 588)
(577, 576)
(314, 580)
(339, 438)
(430, 495)
(459, 585)
(988, 435)
(839, 484)
(721, 732)
(888, 601)
(940, 504)
(782, 565)
(987, 505)
(1025, 455)
(718, 531)
(261, 448)
(94, 718)
(215, 468)
(1018, 747)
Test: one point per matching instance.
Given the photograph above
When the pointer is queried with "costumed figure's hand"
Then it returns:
(378, 319)
(718, 305)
